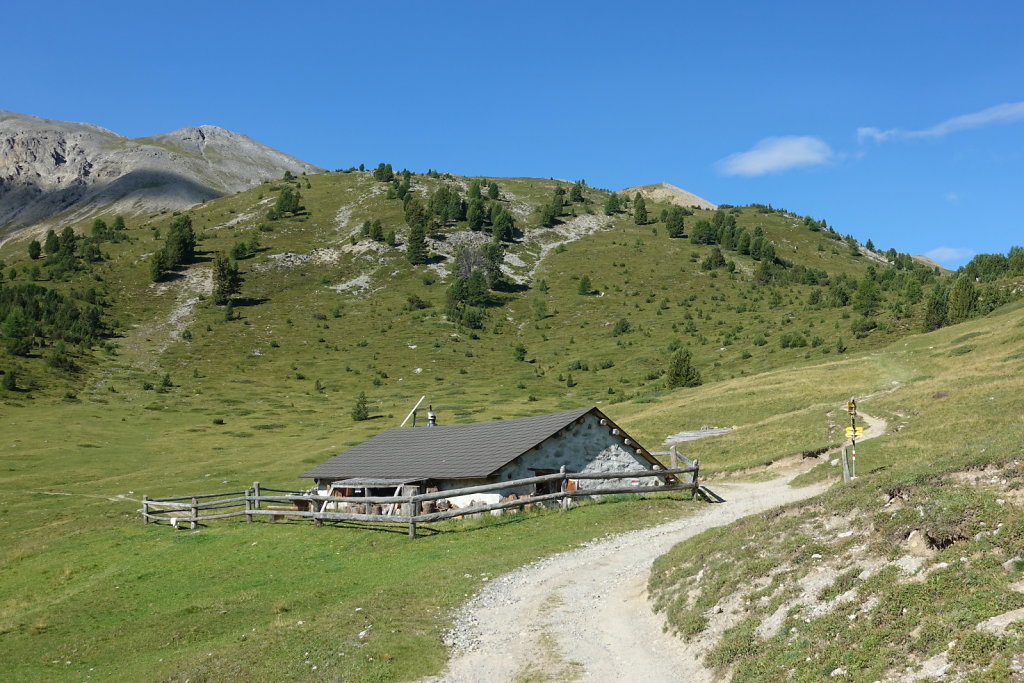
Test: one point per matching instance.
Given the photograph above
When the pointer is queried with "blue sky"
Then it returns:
(902, 122)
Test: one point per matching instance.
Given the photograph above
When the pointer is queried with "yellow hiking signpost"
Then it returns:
(853, 432)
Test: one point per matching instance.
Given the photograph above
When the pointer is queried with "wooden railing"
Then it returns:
(191, 510)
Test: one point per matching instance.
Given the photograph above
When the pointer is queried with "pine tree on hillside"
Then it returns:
(476, 214)
(383, 173)
(576, 192)
(867, 297)
(226, 280)
(34, 249)
(416, 250)
(639, 210)
(681, 372)
(18, 332)
(936, 309)
(504, 225)
(361, 410)
(674, 222)
(963, 300)
(51, 245)
(611, 204)
(157, 265)
(584, 287)
(492, 190)
(180, 246)
(416, 215)
(288, 201)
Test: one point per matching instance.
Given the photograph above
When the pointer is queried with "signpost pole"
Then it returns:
(852, 407)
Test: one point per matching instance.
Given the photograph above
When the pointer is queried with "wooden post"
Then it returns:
(414, 511)
(673, 457)
(248, 505)
(846, 466)
(195, 513)
(696, 485)
(563, 486)
(145, 509)
(256, 494)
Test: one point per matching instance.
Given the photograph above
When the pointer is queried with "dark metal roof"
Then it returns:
(446, 452)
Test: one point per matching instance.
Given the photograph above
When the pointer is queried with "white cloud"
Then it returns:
(1008, 112)
(772, 155)
(950, 255)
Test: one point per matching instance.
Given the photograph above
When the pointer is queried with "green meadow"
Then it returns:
(183, 398)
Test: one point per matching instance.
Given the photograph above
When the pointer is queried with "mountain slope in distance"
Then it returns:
(67, 171)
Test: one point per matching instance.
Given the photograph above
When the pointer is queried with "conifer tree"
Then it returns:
(288, 201)
(415, 213)
(576, 192)
(611, 204)
(584, 287)
(492, 190)
(51, 245)
(867, 297)
(226, 280)
(935, 311)
(474, 190)
(681, 372)
(504, 225)
(361, 410)
(34, 249)
(383, 173)
(18, 332)
(963, 300)
(674, 222)
(639, 210)
(157, 265)
(416, 250)
(476, 214)
(180, 245)
(377, 230)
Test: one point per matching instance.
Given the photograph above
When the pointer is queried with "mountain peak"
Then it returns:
(665, 192)
(62, 172)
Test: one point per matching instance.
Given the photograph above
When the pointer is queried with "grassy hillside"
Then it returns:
(323, 304)
(179, 398)
(914, 566)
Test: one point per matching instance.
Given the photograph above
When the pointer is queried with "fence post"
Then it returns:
(414, 511)
(696, 484)
(145, 509)
(846, 466)
(195, 513)
(248, 505)
(563, 486)
(256, 495)
(673, 453)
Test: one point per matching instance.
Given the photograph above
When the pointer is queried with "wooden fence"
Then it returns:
(250, 503)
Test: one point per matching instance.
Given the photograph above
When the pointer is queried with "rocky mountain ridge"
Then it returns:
(58, 172)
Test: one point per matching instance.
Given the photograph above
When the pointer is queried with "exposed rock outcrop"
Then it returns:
(663, 192)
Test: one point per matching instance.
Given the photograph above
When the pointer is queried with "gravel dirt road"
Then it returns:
(584, 614)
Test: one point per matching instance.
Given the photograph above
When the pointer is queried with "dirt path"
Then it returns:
(584, 614)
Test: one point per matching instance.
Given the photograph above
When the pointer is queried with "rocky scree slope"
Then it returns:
(62, 172)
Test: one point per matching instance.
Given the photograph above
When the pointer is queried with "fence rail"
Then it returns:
(408, 508)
